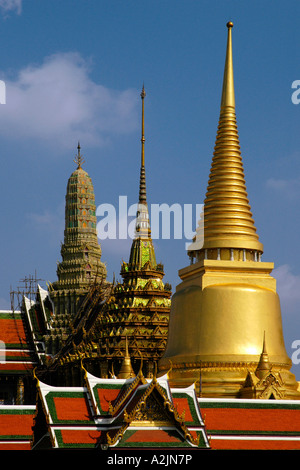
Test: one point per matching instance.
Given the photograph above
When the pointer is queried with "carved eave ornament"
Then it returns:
(153, 408)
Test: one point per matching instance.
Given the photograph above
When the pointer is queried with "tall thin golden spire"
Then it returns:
(228, 98)
(228, 221)
(142, 195)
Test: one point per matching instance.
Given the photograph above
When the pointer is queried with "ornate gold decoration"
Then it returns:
(227, 298)
(153, 410)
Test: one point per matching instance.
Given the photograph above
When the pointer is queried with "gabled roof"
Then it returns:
(151, 419)
(120, 413)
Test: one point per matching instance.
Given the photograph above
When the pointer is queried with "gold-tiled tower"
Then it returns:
(226, 308)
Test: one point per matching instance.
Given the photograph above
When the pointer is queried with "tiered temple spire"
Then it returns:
(142, 300)
(81, 264)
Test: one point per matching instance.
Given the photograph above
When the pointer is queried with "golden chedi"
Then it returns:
(226, 307)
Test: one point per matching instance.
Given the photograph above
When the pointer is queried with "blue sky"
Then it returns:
(74, 71)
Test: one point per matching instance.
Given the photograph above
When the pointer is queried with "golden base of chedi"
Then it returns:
(220, 315)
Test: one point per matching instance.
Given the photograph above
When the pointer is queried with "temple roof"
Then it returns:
(16, 423)
(122, 413)
(247, 424)
(17, 353)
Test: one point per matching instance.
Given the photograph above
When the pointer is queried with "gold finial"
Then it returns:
(228, 98)
(143, 93)
(141, 365)
(79, 158)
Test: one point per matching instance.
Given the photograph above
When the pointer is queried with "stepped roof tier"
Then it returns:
(118, 413)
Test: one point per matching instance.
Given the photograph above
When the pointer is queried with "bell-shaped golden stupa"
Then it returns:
(226, 306)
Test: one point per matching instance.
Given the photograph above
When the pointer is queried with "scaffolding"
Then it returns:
(28, 289)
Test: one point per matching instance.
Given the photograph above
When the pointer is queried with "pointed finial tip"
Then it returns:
(143, 93)
(229, 24)
(78, 159)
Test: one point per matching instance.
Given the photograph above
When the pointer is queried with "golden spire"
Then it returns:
(228, 219)
(142, 195)
(263, 367)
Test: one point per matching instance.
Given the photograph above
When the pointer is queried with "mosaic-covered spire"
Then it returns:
(81, 253)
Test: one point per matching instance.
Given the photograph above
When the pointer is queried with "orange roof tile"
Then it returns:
(243, 419)
(71, 408)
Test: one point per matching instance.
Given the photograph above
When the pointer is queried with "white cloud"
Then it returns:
(58, 102)
(278, 184)
(10, 5)
(288, 188)
(288, 288)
